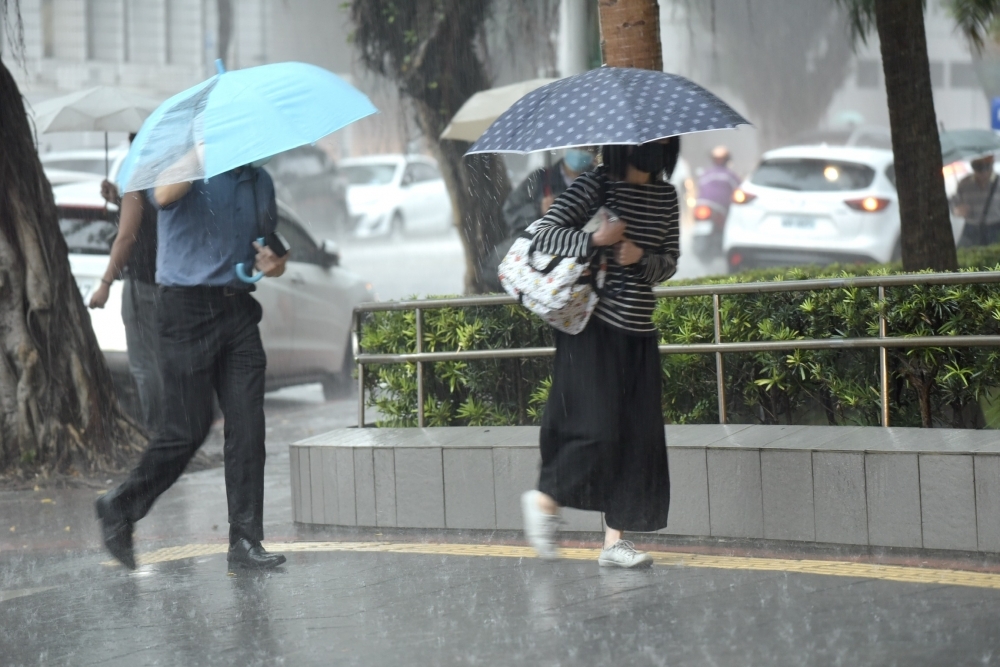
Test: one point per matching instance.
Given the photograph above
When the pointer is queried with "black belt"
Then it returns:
(210, 290)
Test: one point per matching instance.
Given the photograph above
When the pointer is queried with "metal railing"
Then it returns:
(883, 342)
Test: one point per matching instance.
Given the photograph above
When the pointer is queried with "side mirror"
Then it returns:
(331, 253)
(407, 180)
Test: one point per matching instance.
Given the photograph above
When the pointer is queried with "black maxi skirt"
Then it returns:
(602, 440)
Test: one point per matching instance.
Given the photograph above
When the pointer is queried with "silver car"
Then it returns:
(306, 326)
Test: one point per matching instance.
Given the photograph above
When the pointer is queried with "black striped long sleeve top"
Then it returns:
(651, 216)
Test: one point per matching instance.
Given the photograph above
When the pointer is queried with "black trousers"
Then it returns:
(209, 343)
(602, 440)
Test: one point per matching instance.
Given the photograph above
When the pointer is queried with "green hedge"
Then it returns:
(932, 386)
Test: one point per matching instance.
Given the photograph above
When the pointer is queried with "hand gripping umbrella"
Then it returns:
(236, 118)
(609, 105)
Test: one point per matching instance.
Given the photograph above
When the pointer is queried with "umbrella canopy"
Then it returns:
(609, 105)
(968, 145)
(238, 117)
(100, 109)
(480, 110)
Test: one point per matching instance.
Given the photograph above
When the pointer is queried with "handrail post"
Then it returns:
(420, 367)
(358, 317)
(883, 358)
(720, 377)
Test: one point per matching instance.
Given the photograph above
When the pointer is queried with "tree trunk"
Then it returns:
(448, 72)
(58, 410)
(630, 33)
(926, 237)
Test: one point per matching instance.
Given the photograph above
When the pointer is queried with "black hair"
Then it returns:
(614, 157)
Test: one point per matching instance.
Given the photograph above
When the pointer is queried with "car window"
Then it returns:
(299, 242)
(890, 173)
(87, 231)
(368, 174)
(424, 172)
(811, 175)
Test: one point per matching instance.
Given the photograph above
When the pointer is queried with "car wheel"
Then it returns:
(340, 385)
(397, 228)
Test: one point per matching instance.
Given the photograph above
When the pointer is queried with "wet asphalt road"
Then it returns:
(61, 604)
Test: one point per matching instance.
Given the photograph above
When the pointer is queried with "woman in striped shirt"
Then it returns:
(602, 439)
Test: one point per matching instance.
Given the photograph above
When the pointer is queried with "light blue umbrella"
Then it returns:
(238, 117)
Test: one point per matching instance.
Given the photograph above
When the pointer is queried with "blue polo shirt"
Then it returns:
(203, 235)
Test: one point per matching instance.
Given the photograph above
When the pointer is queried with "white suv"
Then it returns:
(816, 205)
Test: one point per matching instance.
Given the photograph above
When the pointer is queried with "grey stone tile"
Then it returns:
(346, 515)
(316, 485)
(305, 487)
(701, 435)
(331, 487)
(839, 494)
(756, 437)
(787, 489)
(893, 488)
(734, 493)
(515, 470)
(385, 487)
(469, 500)
(815, 437)
(293, 469)
(987, 470)
(419, 488)
(688, 493)
(364, 486)
(948, 502)
(574, 520)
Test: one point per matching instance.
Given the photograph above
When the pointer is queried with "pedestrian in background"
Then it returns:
(133, 257)
(602, 439)
(978, 201)
(717, 183)
(209, 344)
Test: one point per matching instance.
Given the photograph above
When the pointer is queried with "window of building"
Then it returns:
(937, 74)
(869, 74)
(48, 29)
(963, 75)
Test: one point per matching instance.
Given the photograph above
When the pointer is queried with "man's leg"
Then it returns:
(189, 345)
(241, 398)
(139, 307)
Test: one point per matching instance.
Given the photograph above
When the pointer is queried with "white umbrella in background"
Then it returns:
(100, 109)
(480, 110)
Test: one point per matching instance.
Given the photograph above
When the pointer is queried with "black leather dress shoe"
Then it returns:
(116, 531)
(251, 555)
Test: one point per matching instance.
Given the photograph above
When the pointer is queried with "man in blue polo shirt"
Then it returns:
(209, 343)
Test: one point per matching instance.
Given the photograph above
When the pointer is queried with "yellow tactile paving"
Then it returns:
(913, 575)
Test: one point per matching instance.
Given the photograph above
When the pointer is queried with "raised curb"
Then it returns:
(900, 487)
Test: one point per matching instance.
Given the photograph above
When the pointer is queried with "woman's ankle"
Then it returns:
(547, 503)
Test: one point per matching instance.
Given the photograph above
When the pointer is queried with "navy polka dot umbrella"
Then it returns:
(610, 105)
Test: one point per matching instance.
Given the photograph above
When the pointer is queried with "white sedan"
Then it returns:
(306, 326)
(817, 205)
(86, 164)
(392, 195)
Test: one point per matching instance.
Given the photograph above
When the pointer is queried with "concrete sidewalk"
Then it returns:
(411, 597)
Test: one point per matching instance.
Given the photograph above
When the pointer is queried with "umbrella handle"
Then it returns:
(241, 271)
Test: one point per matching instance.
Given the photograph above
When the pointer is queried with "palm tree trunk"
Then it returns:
(926, 237)
(58, 410)
(630, 33)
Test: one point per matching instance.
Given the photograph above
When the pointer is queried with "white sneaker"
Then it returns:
(623, 554)
(539, 527)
